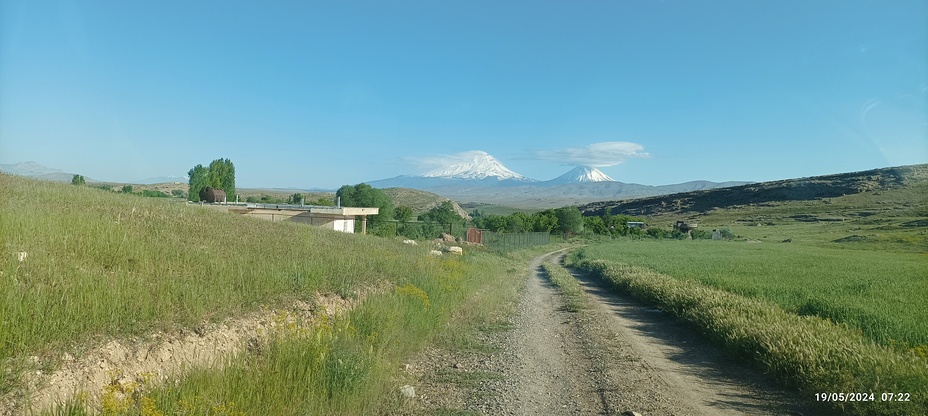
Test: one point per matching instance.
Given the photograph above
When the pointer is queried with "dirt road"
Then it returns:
(615, 356)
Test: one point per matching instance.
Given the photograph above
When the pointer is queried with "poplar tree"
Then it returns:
(198, 179)
(220, 175)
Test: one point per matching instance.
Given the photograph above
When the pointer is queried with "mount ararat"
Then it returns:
(480, 178)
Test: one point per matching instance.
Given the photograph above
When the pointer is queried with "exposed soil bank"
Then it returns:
(124, 366)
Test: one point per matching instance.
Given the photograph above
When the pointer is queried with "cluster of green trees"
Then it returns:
(566, 220)
(220, 175)
(392, 220)
(78, 180)
(364, 195)
(613, 225)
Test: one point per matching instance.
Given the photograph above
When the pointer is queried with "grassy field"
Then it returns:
(880, 293)
(814, 355)
(101, 266)
(827, 295)
(894, 219)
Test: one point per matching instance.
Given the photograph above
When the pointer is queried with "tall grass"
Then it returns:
(814, 354)
(574, 300)
(103, 265)
(347, 366)
(881, 293)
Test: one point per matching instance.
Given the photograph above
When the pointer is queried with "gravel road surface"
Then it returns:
(614, 356)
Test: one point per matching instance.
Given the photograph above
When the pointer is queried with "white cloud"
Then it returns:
(595, 155)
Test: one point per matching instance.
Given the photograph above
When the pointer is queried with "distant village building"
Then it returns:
(685, 227)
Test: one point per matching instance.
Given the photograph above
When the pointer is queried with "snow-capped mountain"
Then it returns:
(580, 174)
(474, 169)
(477, 176)
(476, 165)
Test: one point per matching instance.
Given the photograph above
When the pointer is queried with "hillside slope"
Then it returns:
(801, 189)
(420, 201)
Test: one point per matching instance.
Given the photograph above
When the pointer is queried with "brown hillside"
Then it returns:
(816, 187)
(420, 201)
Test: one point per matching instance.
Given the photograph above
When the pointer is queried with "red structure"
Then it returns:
(474, 235)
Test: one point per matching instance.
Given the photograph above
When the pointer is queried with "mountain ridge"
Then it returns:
(480, 178)
(798, 189)
(34, 170)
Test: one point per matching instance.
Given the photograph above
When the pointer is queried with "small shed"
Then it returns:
(474, 235)
(634, 224)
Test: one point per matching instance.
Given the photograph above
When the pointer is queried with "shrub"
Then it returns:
(701, 235)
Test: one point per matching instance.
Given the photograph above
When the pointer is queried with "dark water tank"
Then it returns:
(212, 195)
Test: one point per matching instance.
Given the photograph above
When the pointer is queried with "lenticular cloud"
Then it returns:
(595, 155)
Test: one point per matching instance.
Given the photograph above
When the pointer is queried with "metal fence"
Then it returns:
(515, 240)
(426, 231)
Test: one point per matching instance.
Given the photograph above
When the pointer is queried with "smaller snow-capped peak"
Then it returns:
(475, 165)
(583, 174)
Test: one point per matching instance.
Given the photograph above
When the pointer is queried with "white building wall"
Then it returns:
(346, 226)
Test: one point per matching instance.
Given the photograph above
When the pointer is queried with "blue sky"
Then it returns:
(320, 94)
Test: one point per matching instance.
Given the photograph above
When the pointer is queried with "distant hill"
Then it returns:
(811, 188)
(161, 179)
(569, 194)
(420, 201)
(34, 170)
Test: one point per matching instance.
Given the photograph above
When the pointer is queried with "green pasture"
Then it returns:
(810, 353)
(880, 293)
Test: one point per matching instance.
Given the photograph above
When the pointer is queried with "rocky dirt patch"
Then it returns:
(123, 367)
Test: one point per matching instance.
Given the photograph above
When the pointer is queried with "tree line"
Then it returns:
(566, 220)
(220, 175)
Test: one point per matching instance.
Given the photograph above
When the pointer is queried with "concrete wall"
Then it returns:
(331, 222)
(338, 219)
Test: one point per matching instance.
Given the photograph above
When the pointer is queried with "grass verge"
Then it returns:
(879, 292)
(570, 289)
(811, 353)
(351, 365)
